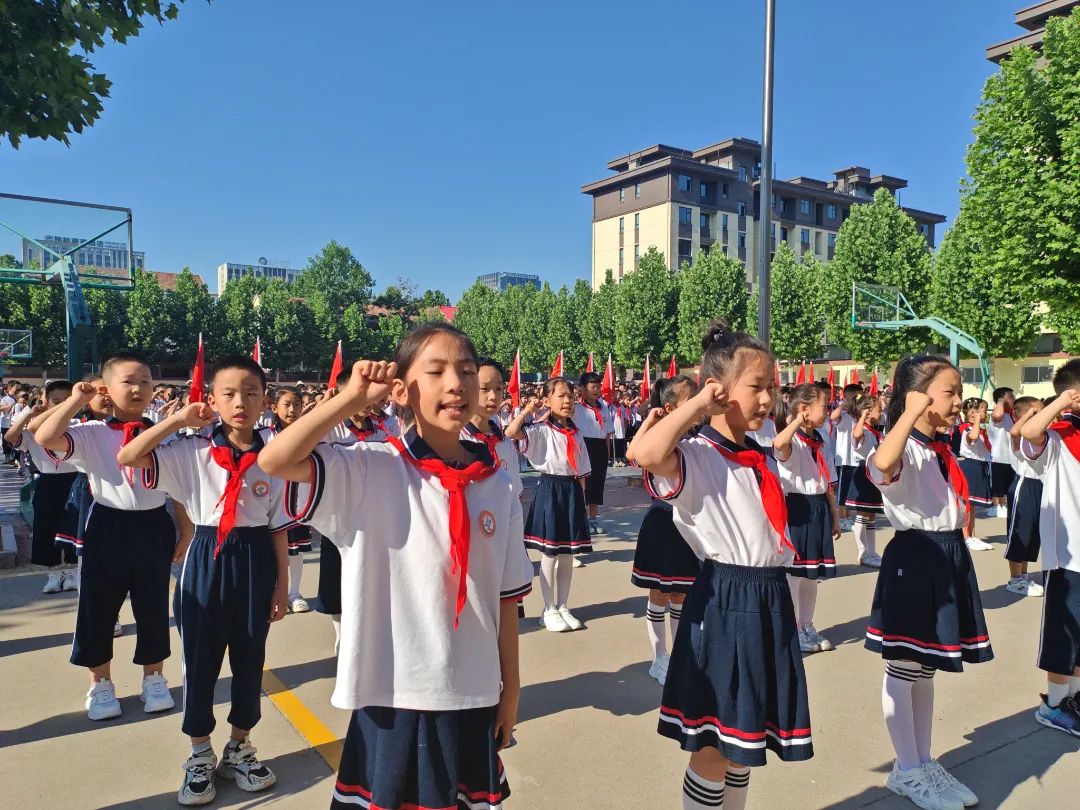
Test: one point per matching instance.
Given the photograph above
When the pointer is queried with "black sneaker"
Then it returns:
(198, 787)
(238, 761)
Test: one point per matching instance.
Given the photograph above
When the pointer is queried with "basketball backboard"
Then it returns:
(16, 344)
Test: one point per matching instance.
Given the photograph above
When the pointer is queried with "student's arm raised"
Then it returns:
(517, 425)
(50, 433)
(656, 451)
(19, 423)
(655, 415)
(888, 454)
(136, 453)
(1034, 430)
(781, 445)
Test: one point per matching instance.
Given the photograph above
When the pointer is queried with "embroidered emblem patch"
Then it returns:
(502, 464)
(487, 523)
(260, 488)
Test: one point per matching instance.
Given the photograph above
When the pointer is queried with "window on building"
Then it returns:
(774, 200)
(637, 222)
(972, 375)
(742, 239)
(620, 260)
(704, 222)
(685, 247)
(830, 212)
(686, 183)
(804, 206)
(637, 191)
(742, 209)
(637, 254)
(783, 234)
(724, 221)
(742, 174)
(622, 194)
(832, 240)
(804, 236)
(685, 216)
(724, 190)
(704, 190)
(1032, 375)
(772, 229)
(924, 229)
(621, 223)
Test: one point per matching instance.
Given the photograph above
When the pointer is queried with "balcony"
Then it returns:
(686, 231)
(706, 234)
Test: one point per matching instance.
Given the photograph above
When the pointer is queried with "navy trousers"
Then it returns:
(221, 604)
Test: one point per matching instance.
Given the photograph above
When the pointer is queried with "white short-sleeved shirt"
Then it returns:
(46, 462)
(506, 454)
(766, 433)
(545, 448)
(186, 470)
(349, 433)
(5, 416)
(919, 496)
(861, 449)
(801, 473)
(390, 520)
(841, 435)
(92, 449)
(594, 423)
(618, 422)
(979, 449)
(717, 503)
(1001, 449)
(1059, 517)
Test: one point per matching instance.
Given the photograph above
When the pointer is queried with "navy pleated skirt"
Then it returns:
(735, 681)
(299, 540)
(810, 527)
(1025, 505)
(72, 525)
(663, 561)
(927, 607)
(401, 759)
(977, 474)
(558, 518)
(863, 495)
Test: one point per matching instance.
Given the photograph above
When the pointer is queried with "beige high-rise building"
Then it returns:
(682, 201)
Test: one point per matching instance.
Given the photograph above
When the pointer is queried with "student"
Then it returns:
(429, 627)
(484, 425)
(729, 506)
(233, 580)
(51, 491)
(1002, 452)
(842, 424)
(663, 562)
(863, 497)
(7, 403)
(806, 476)
(1025, 505)
(129, 539)
(286, 407)
(556, 525)
(1053, 449)
(593, 419)
(972, 445)
(927, 614)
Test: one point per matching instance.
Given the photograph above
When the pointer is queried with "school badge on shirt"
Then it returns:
(260, 488)
(487, 523)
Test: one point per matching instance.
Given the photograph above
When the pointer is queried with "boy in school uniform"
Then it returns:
(129, 537)
(593, 417)
(1053, 450)
(1002, 474)
(234, 579)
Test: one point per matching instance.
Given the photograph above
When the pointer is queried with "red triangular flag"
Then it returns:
(256, 353)
(607, 385)
(671, 370)
(777, 369)
(198, 374)
(556, 370)
(854, 376)
(845, 378)
(800, 378)
(874, 384)
(513, 388)
(589, 366)
(831, 380)
(335, 369)
(646, 386)
(812, 376)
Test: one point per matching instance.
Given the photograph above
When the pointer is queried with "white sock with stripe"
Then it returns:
(736, 786)
(547, 580)
(654, 623)
(896, 704)
(296, 573)
(922, 711)
(865, 531)
(699, 793)
(674, 615)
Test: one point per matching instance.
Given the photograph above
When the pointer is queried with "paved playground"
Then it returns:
(586, 734)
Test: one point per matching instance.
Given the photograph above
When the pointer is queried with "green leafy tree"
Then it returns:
(389, 332)
(598, 327)
(50, 90)
(877, 244)
(797, 317)
(713, 286)
(645, 311)
(109, 313)
(509, 322)
(238, 319)
(148, 326)
(562, 336)
(191, 313)
(475, 316)
(289, 333)
(432, 298)
(537, 353)
(333, 281)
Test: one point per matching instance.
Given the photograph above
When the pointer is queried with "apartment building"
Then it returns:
(1033, 20)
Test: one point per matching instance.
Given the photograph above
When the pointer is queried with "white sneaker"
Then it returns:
(870, 560)
(658, 669)
(101, 702)
(69, 581)
(55, 582)
(553, 621)
(846, 524)
(1002, 511)
(198, 786)
(916, 785)
(118, 629)
(240, 762)
(572, 621)
(975, 544)
(578, 562)
(1033, 588)
(155, 694)
(807, 643)
(298, 604)
(950, 785)
(823, 644)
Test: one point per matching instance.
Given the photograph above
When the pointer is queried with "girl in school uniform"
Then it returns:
(1025, 505)
(972, 445)
(863, 498)
(485, 427)
(429, 531)
(806, 474)
(842, 424)
(286, 407)
(927, 614)
(663, 562)
(557, 524)
(728, 703)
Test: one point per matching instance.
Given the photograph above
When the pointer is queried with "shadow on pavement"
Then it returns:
(16, 646)
(620, 693)
(628, 606)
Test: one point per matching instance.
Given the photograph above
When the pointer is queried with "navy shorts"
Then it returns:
(1001, 479)
(558, 520)
(329, 577)
(598, 459)
(1025, 506)
(1059, 643)
(71, 529)
(810, 527)
(50, 495)
(663, 561)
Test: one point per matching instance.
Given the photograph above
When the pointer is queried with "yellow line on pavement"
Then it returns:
(311, 728)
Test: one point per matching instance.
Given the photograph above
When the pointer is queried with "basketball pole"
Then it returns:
(765, 201)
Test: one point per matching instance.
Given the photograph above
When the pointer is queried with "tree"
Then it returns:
(714, 286)
(645, 311)
(562, 336)
(537, 351)
(49, 89)
(509, 321)
(333, 281)
(798, 319)
(598, 327)
(109, 313)
(432, 298)
(394, 299)
(238, 321)
(475, 316)
(191, 313)
(289, 337)
(877, 244)
(388, 334)
(148, 326)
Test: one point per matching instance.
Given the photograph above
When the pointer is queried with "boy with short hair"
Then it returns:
(235, 570)
(1053, 449)
(129, 537)
(1002, 419)
(1025, 503)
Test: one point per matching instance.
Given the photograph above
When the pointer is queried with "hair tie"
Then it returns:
(718, 334)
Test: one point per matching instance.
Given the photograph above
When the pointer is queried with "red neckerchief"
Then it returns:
(489, 440)
(595, 410)
(358, 432)
(963, 428)
(571, 441)
(1070, 435)
(875, 431)
(224, 456)
(131, 430)
(814, 443)
(772, 494)
(454, 482)
(953, 474)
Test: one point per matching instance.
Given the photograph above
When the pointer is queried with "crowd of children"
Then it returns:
(751, 487)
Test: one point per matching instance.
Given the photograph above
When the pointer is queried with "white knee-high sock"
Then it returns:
(865, 531)
(736, 786)
(795, 585)
(564, 572)
(807, 602)
(78, 573)
(922, 712)
(296, 573)
(859, 532)
(335, 620)
(547, 580)
(699, 793)
(654, 623)
(674, 614)
(896, 703)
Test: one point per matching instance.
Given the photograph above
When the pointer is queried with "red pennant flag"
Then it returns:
(812, 376)
(671, 370)
(874, 384)
(607, 386)
(854, 376)
(198, 374)
(777, 369)
(335, 369)
(514, 386)
(256, 353)
(556, 370)
(831, 380)
(589, 366)
(646, 387)
(800, 378)
(845, 378)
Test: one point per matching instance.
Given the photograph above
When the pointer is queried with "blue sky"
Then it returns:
(444, 140)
